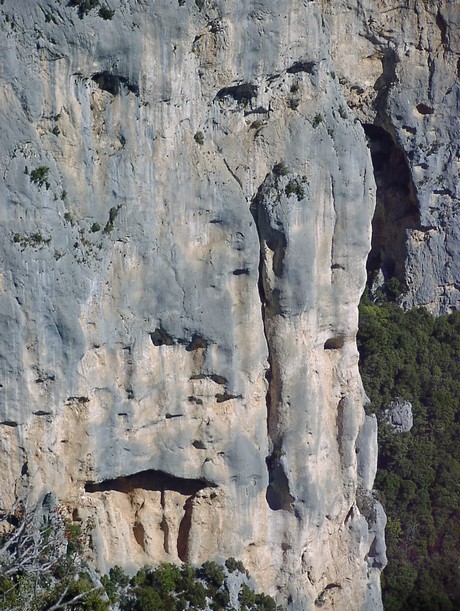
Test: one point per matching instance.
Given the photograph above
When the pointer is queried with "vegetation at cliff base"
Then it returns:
(415, 356)
(43, 568)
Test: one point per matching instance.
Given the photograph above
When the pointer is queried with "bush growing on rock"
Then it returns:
(106, 13)
(199, 138)
(39, 176)
(84, 6)
(235, 565)
(41, 564)
(213, 573)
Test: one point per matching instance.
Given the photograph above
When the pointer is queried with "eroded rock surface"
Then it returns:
(399, 416)
(401, 78)
(186, 206)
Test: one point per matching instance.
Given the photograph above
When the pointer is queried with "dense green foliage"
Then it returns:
(169, 587)
(415, 356)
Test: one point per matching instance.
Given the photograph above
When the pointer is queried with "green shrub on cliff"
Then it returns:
(39, 176)
(106, 13)
(84, 6)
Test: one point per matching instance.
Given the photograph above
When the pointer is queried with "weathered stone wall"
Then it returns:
(180, 283)
(401, 76)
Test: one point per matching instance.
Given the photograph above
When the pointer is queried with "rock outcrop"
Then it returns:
(187, 200)
(399, 416)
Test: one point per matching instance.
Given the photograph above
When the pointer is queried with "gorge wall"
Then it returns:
(187, 197)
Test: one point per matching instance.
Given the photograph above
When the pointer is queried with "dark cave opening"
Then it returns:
(278, 495)
(149, 480)
(113, 83)
(396, 209)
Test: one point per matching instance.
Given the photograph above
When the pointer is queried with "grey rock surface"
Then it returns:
(367, 452)
(399, 416)
(405, 91)
(186, 203)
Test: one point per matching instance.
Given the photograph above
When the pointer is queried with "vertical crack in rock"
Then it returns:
(385, 81)
(139, 533)
(272, 251)
(396, 211)
(164, 527)
(165, 530)
(129, 368)
(184, 530)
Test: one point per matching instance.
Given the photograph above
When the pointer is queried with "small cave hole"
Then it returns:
(197, 342)
(302, 66)
(113, 83)
(82, 400)
(409, 129)
(277, 493)
(334, 343)
(424, 109)
(241, 272)
(149, 480)
(240, 93)
(225, 396)
(218, 379)
(194, 399)
(159, 337)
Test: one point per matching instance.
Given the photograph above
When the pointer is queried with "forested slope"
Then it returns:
(415, 356)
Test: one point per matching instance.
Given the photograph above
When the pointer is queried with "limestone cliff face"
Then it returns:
(401, 78)
(186, 205)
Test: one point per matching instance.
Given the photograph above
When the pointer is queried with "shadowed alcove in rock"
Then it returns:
(396, 209)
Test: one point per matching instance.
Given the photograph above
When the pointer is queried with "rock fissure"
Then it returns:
(277, 494)
(183, 538)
